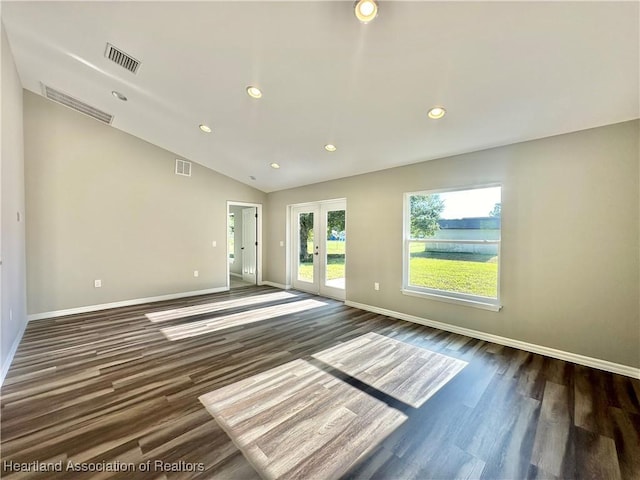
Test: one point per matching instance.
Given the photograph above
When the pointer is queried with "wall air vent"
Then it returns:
(77, 105)
(123, 59)
(183, 167)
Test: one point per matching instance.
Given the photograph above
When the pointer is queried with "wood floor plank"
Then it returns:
(551, 444)
(596, 457)
(429, 429)
(110, 386)
(486, 426)
(591, 409)
(510, 457)
(450, 463)
(626, 432)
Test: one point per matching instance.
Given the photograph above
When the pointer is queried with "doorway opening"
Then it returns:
(244, 241)
(319, 239)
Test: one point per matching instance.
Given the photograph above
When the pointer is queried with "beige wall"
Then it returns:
(570, 261)
(12, 238)
(102, 204)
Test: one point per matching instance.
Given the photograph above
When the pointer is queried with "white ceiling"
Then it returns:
(506, 72)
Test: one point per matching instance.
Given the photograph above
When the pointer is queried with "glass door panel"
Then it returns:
(306, 248)
(335, 251)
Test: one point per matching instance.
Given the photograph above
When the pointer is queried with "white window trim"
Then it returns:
(476, 301)
(442, 297)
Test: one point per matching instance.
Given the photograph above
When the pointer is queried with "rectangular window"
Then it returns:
(452, 245)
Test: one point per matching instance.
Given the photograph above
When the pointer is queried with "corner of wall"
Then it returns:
(13, 306)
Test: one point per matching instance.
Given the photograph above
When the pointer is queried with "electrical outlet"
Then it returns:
(376, 286)
(281, 243)
(214, 244)
(196, 273)
(97, 283)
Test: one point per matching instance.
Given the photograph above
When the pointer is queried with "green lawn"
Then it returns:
(334, 247)
(335, 267)
(473, 274)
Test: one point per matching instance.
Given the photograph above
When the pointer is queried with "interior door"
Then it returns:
(249, 248)
(319, 246)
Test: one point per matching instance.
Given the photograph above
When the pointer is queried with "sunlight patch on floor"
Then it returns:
(408, 373)
(201, 327)
(297, 421)
(185, 312)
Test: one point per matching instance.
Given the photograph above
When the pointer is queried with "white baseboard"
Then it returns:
(277, 285)
(11, 354)
(237, 275)
(124, 303)
(509, 342)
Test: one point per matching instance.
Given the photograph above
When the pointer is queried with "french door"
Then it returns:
(319, 248)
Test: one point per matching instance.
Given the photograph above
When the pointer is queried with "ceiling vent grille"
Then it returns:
(123, 59)
(77, 105)
(183, 167)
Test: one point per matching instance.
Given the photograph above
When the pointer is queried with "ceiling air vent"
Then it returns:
(183, 167)
(77, 105)
(123, 59)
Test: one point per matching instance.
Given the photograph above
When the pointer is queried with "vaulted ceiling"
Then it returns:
(505, 72)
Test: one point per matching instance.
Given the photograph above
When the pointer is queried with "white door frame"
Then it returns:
(249, 244)
(314, 285)
(320, 209)
(258, 207)
(326, 289)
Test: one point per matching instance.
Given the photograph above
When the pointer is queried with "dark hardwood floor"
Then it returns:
(110, 389)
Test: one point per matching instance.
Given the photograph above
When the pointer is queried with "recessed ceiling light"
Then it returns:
(254, 92)
(436, 113)
(205, 128)
(119, 96)
(366, 10)
(330, 148)
(275, 165)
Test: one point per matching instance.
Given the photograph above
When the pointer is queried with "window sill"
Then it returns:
(457, 301)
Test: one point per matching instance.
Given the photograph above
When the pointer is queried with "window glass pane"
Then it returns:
(449, 224)
(305, 255)
(461, 215)
(336, 249)
(470, 269)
